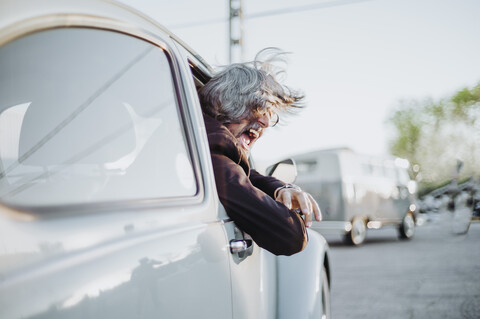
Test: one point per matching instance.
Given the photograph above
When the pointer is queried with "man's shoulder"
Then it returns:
(218, 135)
(211, 124)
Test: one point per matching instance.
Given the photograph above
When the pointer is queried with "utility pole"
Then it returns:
(235, 26)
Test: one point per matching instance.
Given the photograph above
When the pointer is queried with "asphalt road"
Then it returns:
(434, 275)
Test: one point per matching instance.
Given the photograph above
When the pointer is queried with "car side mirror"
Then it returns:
(286, 171)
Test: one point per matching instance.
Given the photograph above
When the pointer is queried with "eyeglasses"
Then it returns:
(274, 119)
(272, 115)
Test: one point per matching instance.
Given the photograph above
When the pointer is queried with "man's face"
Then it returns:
(250, 129)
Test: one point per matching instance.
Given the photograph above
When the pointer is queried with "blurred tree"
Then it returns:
(435, 135)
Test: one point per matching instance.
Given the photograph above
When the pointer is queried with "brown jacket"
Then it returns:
(248, 196)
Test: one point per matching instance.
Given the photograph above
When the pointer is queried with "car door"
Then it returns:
(254, 278)
(106, 210)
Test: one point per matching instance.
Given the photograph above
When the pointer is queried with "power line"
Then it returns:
(197, 23)
(314, 6)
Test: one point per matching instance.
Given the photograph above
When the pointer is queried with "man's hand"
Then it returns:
(295, 198)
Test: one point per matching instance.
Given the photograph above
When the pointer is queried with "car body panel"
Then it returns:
(254, 280)
(298, 295)
(123, 273)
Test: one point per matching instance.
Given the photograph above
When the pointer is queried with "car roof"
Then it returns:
(16, 16)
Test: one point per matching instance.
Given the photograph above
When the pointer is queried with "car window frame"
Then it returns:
(49, 22)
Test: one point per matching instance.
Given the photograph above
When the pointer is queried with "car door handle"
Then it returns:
(240, 246)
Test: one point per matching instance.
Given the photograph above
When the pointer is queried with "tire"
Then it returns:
(326, 312)
(406, 229)
(356, 236)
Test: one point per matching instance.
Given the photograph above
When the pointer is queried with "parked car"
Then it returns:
(357, 192)
(108, 207)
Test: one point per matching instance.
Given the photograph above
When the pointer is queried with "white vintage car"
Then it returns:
(108, 207)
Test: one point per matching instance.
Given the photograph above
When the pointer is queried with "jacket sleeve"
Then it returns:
(267, 184)
(270, 223)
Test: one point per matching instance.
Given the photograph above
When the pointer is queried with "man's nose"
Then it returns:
(264, 120)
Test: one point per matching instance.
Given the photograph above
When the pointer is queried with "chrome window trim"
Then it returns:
(57, 21)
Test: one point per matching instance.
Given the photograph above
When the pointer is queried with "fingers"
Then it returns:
(316, 209)
(303, 201)
(293, 198)
(285, 197)
(306, 207)
(308, 219)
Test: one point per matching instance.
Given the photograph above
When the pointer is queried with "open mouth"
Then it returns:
(248, 137)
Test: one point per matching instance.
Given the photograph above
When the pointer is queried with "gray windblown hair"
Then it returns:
(241, 88)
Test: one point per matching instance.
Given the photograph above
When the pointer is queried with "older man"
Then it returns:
(239, 104)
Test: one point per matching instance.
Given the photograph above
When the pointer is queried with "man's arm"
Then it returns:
(267, 184)
(292, 198)
(270, 223)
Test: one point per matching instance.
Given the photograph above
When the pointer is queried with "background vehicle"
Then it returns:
(356, 192)
(108, 207)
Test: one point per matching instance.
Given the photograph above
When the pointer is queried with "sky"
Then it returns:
(354, 60)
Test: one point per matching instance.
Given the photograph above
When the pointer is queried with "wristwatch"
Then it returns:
(296, 187)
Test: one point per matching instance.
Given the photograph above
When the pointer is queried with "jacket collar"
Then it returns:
(222, 141)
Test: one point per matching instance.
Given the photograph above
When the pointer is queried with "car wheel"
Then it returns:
(356, 236)
(406, 229)
(326, 314)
